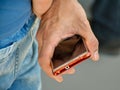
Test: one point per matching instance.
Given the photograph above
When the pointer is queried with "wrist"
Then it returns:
(64, 5)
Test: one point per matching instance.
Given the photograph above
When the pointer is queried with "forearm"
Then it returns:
(63, 4)
(65, 8)
(39, 7)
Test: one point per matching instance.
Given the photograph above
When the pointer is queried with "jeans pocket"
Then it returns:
(5, 52)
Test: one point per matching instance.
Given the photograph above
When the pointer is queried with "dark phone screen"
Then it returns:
(68, 50)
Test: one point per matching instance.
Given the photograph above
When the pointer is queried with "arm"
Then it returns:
(39, 7)
(64, 19)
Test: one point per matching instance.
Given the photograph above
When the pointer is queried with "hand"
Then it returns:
(64, 19)
(40, 7)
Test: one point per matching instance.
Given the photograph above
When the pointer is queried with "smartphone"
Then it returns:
(68, 53)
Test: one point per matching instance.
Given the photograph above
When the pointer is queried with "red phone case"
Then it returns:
(69, 53)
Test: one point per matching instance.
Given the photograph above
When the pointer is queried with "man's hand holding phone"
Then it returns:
(68, 53)
(64, 19)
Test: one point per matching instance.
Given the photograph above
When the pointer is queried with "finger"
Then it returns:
(45, 60)
(90, 40)
(69, 71)
(46, 67)
(95, 57)
(58, 78)
(92, 44)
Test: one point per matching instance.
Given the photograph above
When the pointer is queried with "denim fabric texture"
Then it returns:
(19, 68)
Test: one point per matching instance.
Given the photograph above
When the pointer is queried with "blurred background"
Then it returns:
(104, 17)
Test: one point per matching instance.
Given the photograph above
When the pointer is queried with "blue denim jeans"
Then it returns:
(19, 68)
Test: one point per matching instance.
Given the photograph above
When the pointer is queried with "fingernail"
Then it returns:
(72, 71)
(96, 56)
(59, 79)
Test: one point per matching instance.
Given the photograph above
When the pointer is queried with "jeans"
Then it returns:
(19, 68)
(106, 22)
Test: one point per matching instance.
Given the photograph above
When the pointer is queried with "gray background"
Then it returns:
(101, 75)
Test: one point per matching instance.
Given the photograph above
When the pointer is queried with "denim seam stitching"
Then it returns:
(16, 62)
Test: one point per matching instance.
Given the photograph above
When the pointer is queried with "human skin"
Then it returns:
(39, 7)
(63, 19)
